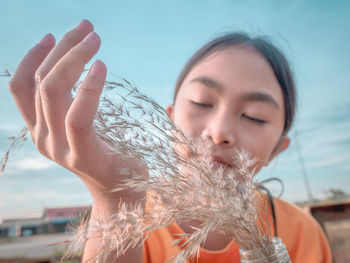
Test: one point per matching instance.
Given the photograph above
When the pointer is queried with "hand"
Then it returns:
(62, 127)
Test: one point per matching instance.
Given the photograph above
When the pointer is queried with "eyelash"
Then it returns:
(255, 120)
(198, 104)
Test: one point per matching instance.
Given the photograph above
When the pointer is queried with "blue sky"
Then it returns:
(148, 42)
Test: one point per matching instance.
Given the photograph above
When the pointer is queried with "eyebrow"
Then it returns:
(251, 96)
(209, 82)
(261, 96)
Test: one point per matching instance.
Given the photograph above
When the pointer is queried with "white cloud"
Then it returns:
(36, 163)
(13, 126)
(346, 166)
(332, 160)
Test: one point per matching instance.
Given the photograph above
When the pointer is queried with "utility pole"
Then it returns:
(303, 170)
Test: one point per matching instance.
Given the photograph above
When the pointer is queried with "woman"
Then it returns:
(235, 92)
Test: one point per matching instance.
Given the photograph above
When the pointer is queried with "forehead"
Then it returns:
(239, 69)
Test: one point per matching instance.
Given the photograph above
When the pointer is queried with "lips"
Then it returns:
(216, 160)
(220, 162)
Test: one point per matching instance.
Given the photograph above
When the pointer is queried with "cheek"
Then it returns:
(190, 125)
(260, 146)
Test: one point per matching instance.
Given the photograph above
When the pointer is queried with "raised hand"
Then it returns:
(62, 127)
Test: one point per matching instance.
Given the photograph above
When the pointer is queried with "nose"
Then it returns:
(220, 130)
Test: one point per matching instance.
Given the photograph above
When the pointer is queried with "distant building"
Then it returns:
(58, 218)
(53, 220)
(22, 227)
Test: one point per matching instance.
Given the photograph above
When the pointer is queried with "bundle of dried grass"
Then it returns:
(179, 188)
(221, 198)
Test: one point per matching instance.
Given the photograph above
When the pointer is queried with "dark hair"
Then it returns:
(269, 51)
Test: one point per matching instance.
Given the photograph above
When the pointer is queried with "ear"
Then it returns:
(280, 147)
(170, 111)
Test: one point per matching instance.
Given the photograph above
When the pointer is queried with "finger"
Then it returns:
(56, 87)
(40, 130)
(22, 84)
(79, 122)
(68, 41)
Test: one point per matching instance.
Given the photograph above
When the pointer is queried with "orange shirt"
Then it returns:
(302, 235)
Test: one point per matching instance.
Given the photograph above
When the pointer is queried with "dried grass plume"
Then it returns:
(179, 187)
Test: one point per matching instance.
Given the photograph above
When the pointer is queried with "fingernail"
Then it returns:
(46, 40)
(84, 25)
(91, 37)
(97, 68)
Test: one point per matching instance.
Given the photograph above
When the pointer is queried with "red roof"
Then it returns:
(65, 212)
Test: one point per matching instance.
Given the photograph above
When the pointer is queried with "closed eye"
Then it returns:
(255, 120)
(199, 104)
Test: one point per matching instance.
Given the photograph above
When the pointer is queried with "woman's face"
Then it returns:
(233, 98)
